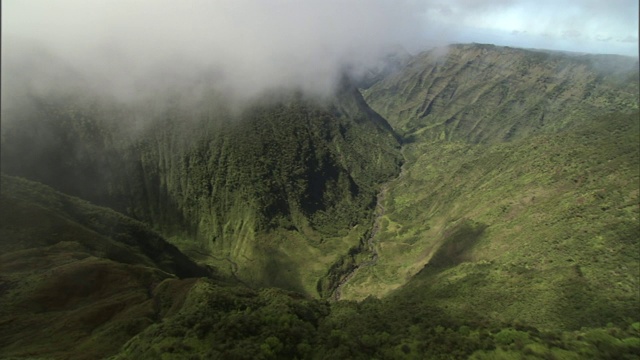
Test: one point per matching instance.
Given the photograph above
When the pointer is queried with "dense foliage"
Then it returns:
(288, 176)
(543, 230)
(234, 322)
(484, 93)
(505, 227)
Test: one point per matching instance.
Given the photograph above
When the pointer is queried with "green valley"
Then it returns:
(470, 202)
(523, 224)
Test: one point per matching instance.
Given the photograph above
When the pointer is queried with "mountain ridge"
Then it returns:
(283, 170)
(485, 93)
(487, 195)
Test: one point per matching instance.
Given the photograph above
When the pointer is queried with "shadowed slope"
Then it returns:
(286, 176)
(77, 280)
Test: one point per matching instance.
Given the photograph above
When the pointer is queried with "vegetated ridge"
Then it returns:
(512, 236)
(484, 93)
(284, 190)
(78, 280)
(538, 228)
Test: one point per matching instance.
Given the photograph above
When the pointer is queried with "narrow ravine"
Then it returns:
(371, 244)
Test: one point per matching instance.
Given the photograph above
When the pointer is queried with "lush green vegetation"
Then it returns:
(77, 280)
(31, 212)
(485, 93)
(289, 177)
(542, 231)
(510, 231)
(233, 322)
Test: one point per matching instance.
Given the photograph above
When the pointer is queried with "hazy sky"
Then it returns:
(250, 45)
(595, 26)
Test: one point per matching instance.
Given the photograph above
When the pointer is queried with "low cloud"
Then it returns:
(571, 34)
(242, 46)
(629, 39)
(132, 48)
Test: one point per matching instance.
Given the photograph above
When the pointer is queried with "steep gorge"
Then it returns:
(499, 224)
(285, 183)
(505, 225)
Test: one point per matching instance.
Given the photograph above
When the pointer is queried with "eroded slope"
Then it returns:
(486, 93)
(275, 193)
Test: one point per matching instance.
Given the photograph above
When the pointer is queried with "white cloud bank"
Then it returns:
(245, 45)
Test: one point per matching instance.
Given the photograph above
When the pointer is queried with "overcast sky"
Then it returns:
(250, 45)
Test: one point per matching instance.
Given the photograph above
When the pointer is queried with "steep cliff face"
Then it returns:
(485, 93)
(232, 184)
(291, 164)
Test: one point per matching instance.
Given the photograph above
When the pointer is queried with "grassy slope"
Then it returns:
(71, 288)
(485, 93)
(64, 271)
(543, 229)
(77, 280)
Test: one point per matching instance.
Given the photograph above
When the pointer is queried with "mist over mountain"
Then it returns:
(301, 172)
(243, 48)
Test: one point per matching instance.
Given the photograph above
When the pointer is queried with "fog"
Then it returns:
(241, 46)
(133, 49)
